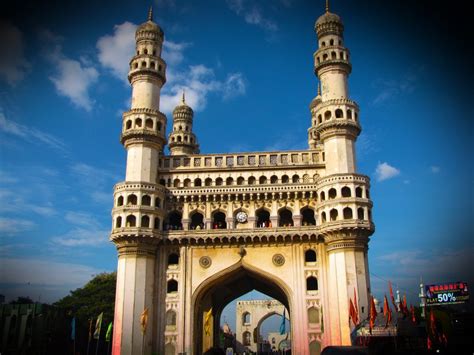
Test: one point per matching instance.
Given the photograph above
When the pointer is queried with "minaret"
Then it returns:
(182, 140)
(344, 205)
(334, 117)
(138, 201)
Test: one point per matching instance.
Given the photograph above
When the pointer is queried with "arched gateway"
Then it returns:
(195, 231)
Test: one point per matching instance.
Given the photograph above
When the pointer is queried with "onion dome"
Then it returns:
(317, 100)
(183, 110)
(329, 23)
(149, 28)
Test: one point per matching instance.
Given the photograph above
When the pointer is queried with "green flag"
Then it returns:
(98, 325)
(108, 335)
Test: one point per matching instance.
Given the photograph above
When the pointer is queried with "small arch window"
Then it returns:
(251, 180)
(143, 64)
(331, 42)
(327, 115)
(132, 199)
(323, 44)
(138, 122)
(311, 284)
(246, 318)
(145, 51)
(197, 221)
(295, 179)
(347, 213)
(170, 318)
(229, 181)
(310, 256)
(308, 217)
(346, 191)
(323, 217)
(273, 179)
(197, 182)
(145, 222)
(285, 179)
(158, 126)
(285, 218)
(120, 201)
(187, 183)
(157, 223)
(359, 191)
(349, 114)
(339, 113)
(325, 56)
(240, 180)
(176, 183)
(157, 202)
(172, 286)
(313, 315)
(131, 221)
(262, 180)
(128, 125)
(323, 196)
(332, 193)
(149, 123)
(333, 214)
(333, 55)
(219, 181)
(173, 259)
(118, 222)
(320, 119)
(360, 214)
(218, 220)
(146, 200)
(208, 182)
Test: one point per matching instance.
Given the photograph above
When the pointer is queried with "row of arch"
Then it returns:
(344, 192)
(181, 138)
(251, 180)
(347, 213)
(146, 64)
(146, 51)
(132, 200)
(338, 113)
(334, 56)
(138, 123)
(331, 42)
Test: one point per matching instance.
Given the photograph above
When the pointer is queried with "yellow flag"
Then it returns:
(144, 320)
(207, 322)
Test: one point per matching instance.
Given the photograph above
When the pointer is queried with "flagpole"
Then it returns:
(90, 335)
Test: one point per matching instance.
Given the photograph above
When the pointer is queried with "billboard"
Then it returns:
(448, 293)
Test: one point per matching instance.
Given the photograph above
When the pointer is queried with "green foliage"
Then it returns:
(97, 296)
(22, 300)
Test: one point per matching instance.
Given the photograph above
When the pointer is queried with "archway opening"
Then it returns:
(308, 217)
(218, 220)
(197, 221)
(174, 221)
(263, 218)
(219, 324)
(285, 218)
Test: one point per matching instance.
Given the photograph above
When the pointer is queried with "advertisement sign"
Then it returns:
(448, 293)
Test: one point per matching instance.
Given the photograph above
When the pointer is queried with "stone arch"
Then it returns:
(128, 124)
(206, 297)
(251, 180)
(262, 180)
(176, 183)
(308, 216)
(197, 182)
(311, 284)
(149, 123)
(313, 315)
(132, 199)
(332, 193)
(323, 217)
(208, 182)
(263, 217)
(322, 196)
(273, 179)
(360, 213)
(314, 348)
(118, 222)
(333, 214)
(145, 223)
(174, 220)
(285, 179)
(172, 286)
(173, 259)
(138, 122)
(131, 221)
(120, 201)
(170, 319)
(339, 113)
(310, 256)
(347, 213)
(346, 191)
(349, 114)
(219, 181)
(285, 217)
(187, 183)
(219, 219)
(197, 220)
(240, 180)
(327, 115)
(229, 181)
(359, 191)
(246, 318)
(246, 337)
(146, 200)
(295, 178)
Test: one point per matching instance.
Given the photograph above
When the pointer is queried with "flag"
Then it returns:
(144, 320)
(90, 329)
(283, 323)
(392, 297)
(322, 321)
(98, 325)
(404, 303)
(108, 334)
(352, 313)
(73, 328)
(373, 314)
(412, 311)
(387, 312)
(207, 322)
(356, 306)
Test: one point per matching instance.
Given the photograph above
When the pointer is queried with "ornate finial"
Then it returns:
(319, 89)
(183, 99)
(150, 14)
(327, 5)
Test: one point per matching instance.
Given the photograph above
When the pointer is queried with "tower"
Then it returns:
(182, 140)
(196, 231)
(343, 194)
(138, 201)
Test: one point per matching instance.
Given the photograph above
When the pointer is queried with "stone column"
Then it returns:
(134, 293)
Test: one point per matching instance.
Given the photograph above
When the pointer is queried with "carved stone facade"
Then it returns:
(195, 231)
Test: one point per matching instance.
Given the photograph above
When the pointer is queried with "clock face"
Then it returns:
(241, 217)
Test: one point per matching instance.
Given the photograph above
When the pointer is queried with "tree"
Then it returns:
(87, 302)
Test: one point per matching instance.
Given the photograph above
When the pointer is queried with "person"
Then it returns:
(198, 227)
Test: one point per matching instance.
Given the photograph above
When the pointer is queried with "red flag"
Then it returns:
(432, 323)
(373, 314)
(356, 306)
(412, 311)
(405, 308)
(387, 312)
(391, 296)
(428, 343)
(352, 312)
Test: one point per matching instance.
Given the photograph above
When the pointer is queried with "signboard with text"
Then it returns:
(448, 293)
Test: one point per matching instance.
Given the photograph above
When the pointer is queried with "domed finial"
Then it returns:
(183, 99)
(327, 5)
(150, 14)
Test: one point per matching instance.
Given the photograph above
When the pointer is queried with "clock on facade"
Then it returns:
(241, 217)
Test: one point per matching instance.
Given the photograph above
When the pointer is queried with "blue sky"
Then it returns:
(247, 69)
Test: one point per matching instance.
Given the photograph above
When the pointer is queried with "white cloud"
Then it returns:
(435, 169)
(251, 14)
(72, 78)
(13, 65)
(116, 50)
(384, 171)
(82, 237)
(234, 86)
(12, 226)
(173, 52)
(391, 89)
(30, 134)
(42, 280)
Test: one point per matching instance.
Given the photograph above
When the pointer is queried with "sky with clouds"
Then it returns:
(247, 70)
